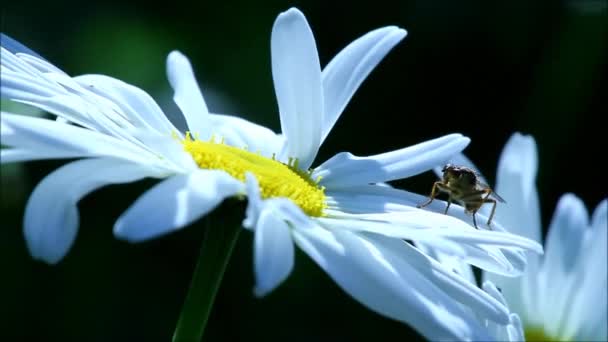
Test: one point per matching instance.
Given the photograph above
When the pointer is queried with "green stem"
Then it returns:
(221, 232)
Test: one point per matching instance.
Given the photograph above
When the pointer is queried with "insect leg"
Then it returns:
(432, 196)
(474, 220)
(493, 201)
(448, 207)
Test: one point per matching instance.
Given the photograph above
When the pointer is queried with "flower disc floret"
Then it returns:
(275, 179)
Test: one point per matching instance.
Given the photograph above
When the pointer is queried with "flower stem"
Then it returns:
(222, 229)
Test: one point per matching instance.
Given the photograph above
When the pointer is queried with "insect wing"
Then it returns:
(497, 196)
(483, 185)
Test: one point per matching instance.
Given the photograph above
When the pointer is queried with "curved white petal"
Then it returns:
(565, 235)
(600, 215)
(241, 133)
(296, 73)
(449, 260)
(451, 283)
(345, 170)
(16, 155)
(169, 149)
(187, 94)
(513, 331)
(516, 183)
(136, 104)
(175, 203)
(39, 63)
(563, 248)
(381, 199)
(383, 282)
(18, 85)
(254, 201)
(583, 317)
(51, 216)
(417, 224)
(15, 47)
(273, 252)
(289, 211)
(35, 133)
(348, 69)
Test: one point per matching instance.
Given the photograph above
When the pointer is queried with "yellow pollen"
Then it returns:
(275, 178)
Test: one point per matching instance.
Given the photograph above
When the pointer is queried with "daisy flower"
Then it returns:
(357, 235)
(337, 212)
(562, 295)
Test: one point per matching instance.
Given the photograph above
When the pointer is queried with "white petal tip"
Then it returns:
(399, 32)
(51, 259)
(291, 13)
(175, 54)
(46, 253)
(260, 292)
(122, 232)
(119, 231)
(176, 58)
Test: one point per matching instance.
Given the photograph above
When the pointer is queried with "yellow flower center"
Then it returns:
(275, 179)
(535, 334)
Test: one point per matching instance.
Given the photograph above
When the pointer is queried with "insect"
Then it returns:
(465, 186)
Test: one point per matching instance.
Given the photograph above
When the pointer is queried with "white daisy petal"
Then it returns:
(51, 215)
(400, 212)
(20, 86)
(245, 134)
(38, 63)
(61, 95)
(289, 210)
(348, 69)
(168, 148)
(600, 215)
(589, 281)
(69, 109)
(371, 198)
(11, 62)
(565, 236)
(407, 230)
(175, 203)
(16, 155)
(451, 283)
(518, 330)
(35, 133)
(15, 47)
(493, 291)
(345, 170)
(254, 205)
(450, 261)
(133, 102)
(187, 94)
(384, 283)
(273, 252)
(296, 73)
(516, 183)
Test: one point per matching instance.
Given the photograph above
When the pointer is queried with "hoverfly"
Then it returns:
(465, 186)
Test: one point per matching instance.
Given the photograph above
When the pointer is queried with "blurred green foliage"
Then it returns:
(483, 69)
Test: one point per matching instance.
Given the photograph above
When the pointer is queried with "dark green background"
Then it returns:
(480, 68)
